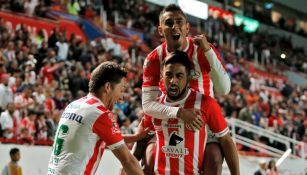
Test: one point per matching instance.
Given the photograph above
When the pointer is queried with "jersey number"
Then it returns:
(63, 130)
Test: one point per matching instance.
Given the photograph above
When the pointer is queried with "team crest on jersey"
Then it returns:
(173, 150)
(112, 117)
(195, 74)
(115, 129)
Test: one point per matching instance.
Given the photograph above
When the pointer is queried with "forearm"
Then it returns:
(132, 167)
(155, 109)
(231, 155)
(129, 138)
(218, 75)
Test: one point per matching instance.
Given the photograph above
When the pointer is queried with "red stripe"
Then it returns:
(93, 159)
(102, 108)
(91, 101)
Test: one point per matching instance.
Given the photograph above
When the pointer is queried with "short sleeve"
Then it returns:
(215, 118)
(108, 130)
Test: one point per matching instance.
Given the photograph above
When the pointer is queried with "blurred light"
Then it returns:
(283, 56)
(237, 3)
(268, 5)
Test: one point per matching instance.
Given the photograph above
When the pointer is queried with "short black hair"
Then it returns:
(181, 58)
(13, 151)
(171, 8)
(106, 72)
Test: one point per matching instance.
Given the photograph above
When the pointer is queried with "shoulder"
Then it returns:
(154, 54)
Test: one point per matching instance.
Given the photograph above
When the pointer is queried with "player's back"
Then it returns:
(76, 147)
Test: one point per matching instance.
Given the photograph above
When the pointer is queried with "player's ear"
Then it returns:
(108, 87)
(188, 28)
(160, 31)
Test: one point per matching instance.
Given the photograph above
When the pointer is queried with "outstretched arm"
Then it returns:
(128, 161)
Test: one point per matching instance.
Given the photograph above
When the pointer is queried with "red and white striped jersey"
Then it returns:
(84, 130)
(200, 79)
(179, 150)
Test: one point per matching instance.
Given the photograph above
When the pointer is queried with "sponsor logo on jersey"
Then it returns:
(173, 150)
(195, 74)
(72, 116)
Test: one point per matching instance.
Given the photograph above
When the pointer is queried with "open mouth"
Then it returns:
(176, 36)
(173, 91)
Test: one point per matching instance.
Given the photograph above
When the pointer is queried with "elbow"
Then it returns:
(224, 89)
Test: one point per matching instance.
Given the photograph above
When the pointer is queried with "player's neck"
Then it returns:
(181, 47)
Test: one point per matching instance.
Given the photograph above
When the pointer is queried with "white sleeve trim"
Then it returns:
(153, 108)
(116, 145)
(222, 133)
(218, 75)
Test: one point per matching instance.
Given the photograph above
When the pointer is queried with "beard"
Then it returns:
(180, 94)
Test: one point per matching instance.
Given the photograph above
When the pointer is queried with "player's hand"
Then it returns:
(188, 115)
(202, 42)
(196, 125)
(143, 134)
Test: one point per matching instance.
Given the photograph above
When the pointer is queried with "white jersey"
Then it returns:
(84, 130)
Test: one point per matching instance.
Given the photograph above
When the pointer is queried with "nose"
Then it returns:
(174, 80)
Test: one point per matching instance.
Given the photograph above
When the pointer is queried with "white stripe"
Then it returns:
(159, 52)
(98, 159)
(166, 139)
(182, 144)
(116, 145)
(197, 105)
(222, 133)
(156, 157)
(211, 88)
(197, 68)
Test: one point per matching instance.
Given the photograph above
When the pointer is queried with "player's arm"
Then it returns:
(128, 161)
(107, 129)
(150, 92)
(218, 125)
(221, 80)
(230, 152)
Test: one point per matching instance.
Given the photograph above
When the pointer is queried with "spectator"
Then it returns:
(28, 128)
(272, 169)
(9, 122)
(12, 168)
(6, 96)
(262, 168)
(62, 47)
(73, 7)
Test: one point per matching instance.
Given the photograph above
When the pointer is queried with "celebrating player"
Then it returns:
(180, 150)
(87, 126)
(207, 73)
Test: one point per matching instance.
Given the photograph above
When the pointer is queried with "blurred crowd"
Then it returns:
(40, 75)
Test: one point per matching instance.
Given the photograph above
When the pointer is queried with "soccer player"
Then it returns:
(207, 74)
(87, 126)
(180, 150)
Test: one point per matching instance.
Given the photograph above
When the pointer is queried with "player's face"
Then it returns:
(117, 92)
(174, 28)
(175, 79)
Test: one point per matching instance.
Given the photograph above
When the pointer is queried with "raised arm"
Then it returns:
(218, 74)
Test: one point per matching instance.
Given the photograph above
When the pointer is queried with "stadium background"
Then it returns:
(47, 51)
